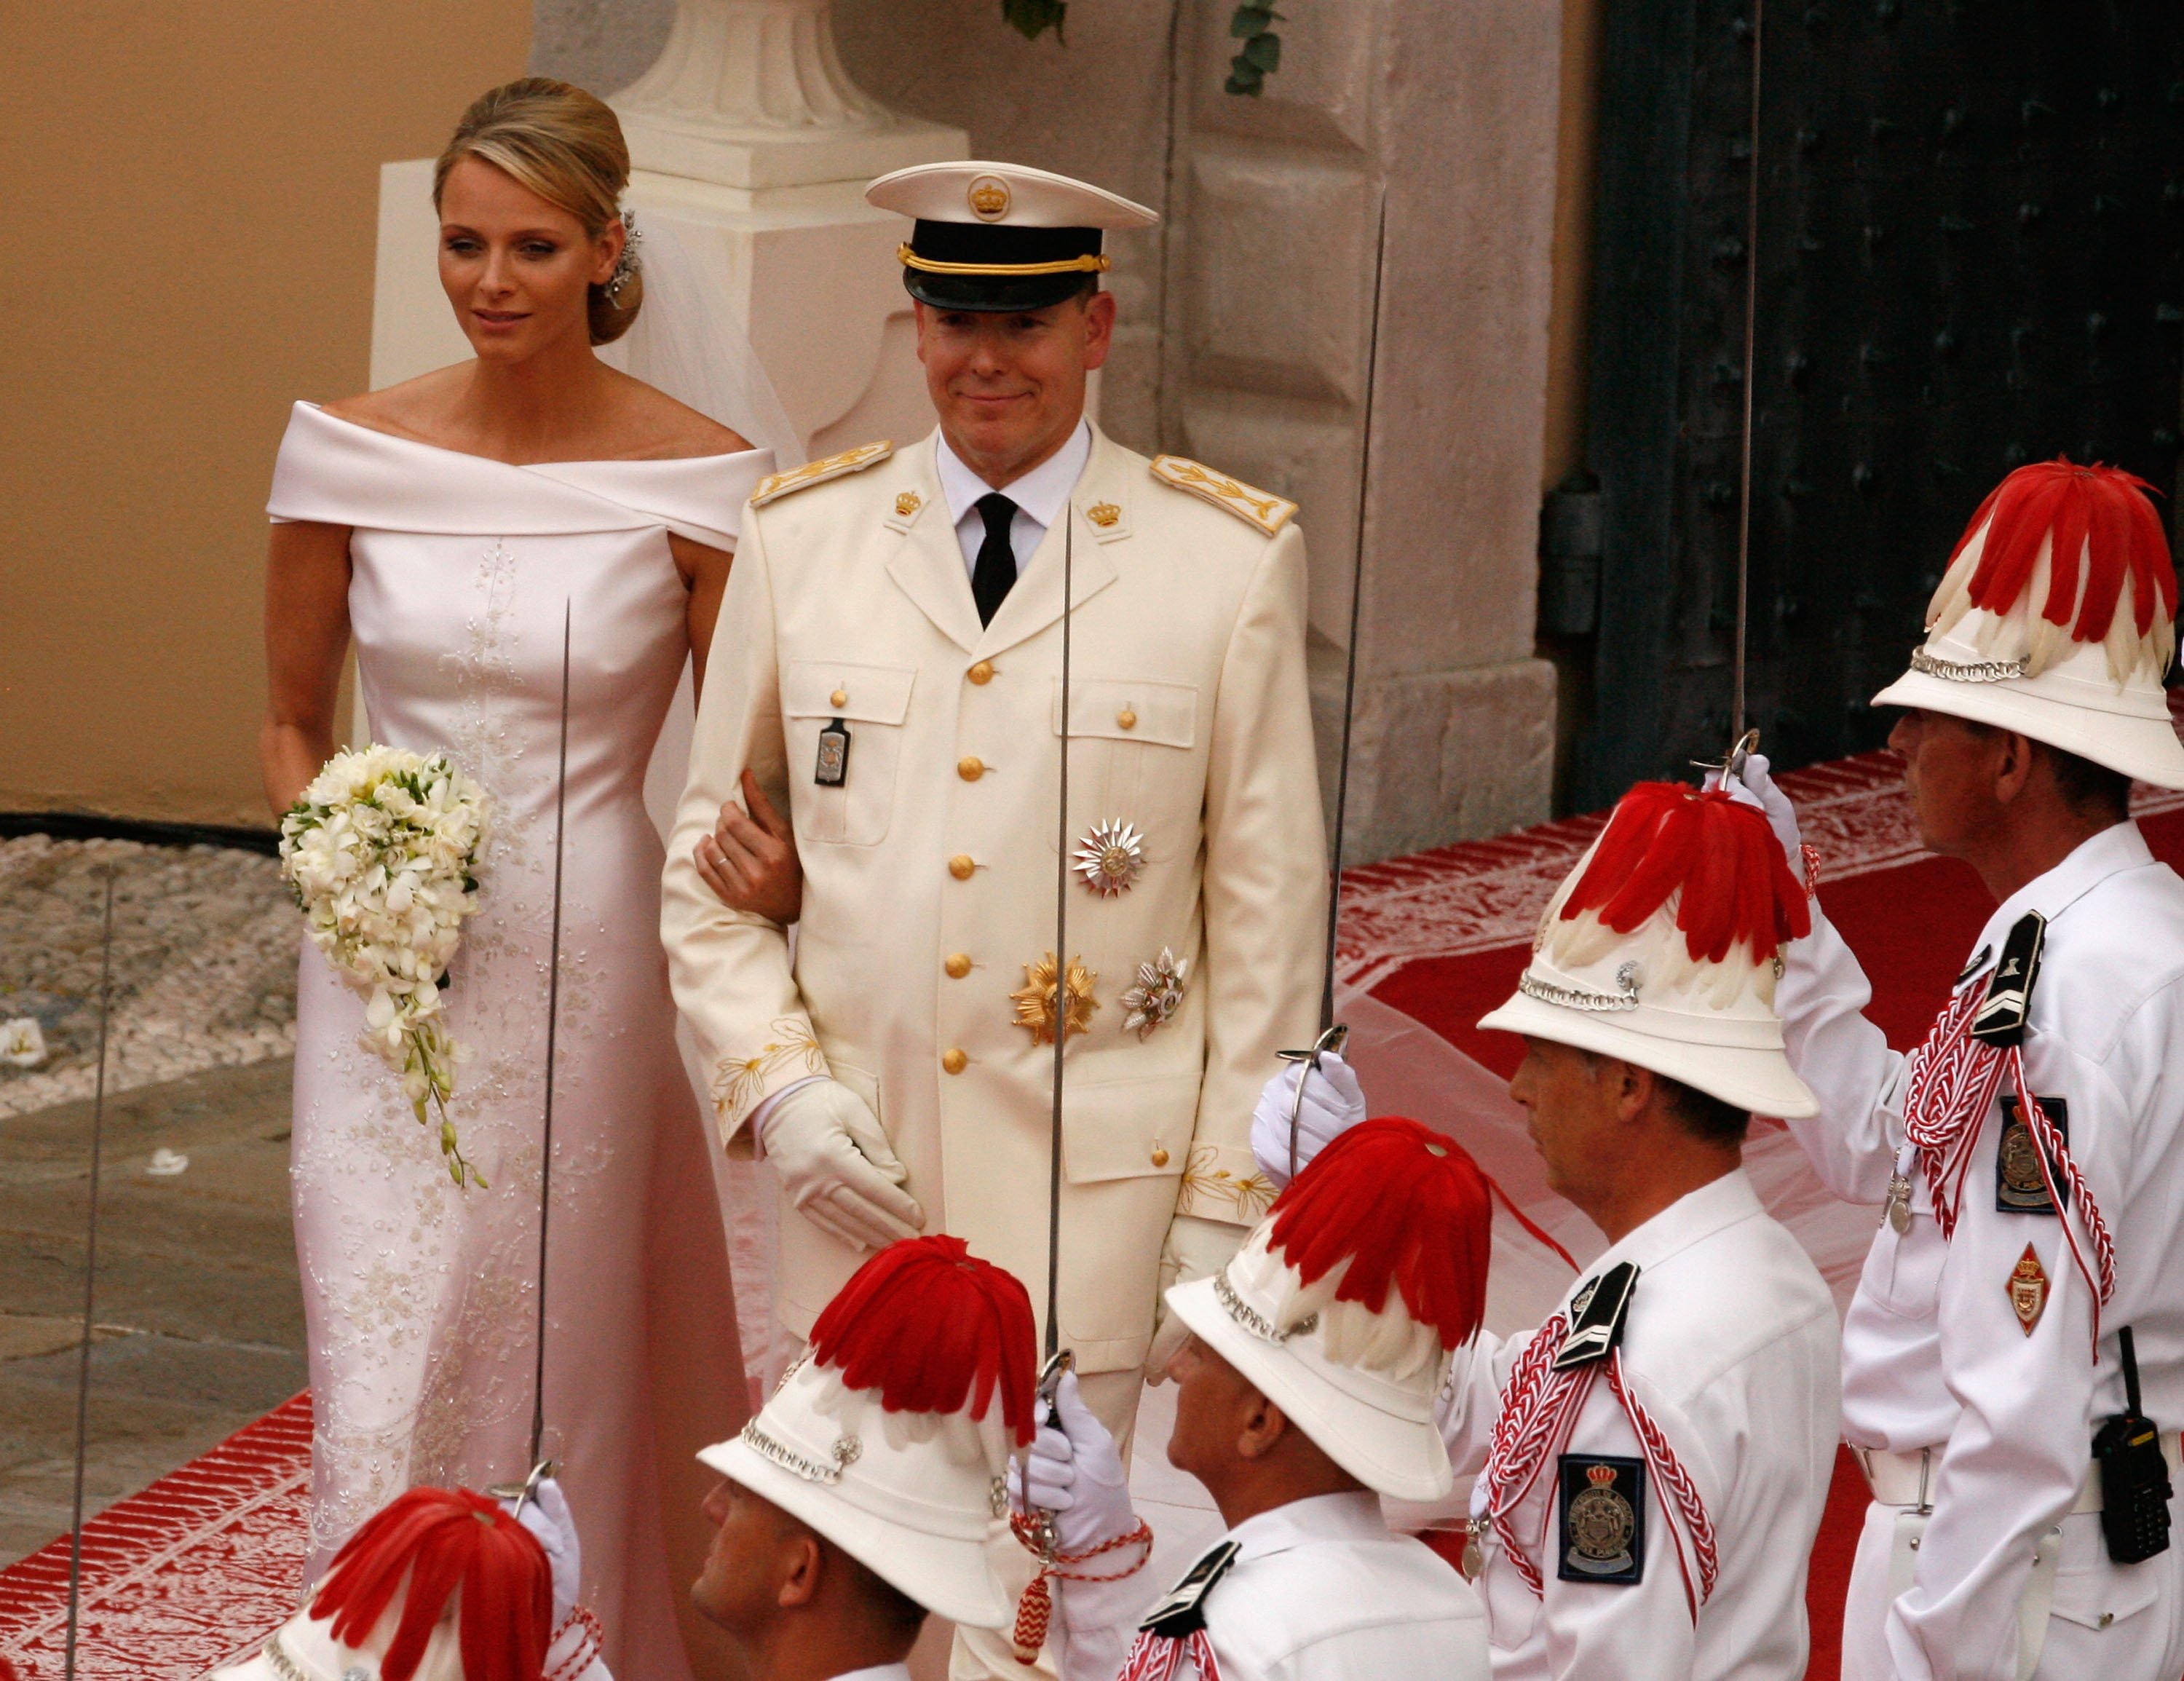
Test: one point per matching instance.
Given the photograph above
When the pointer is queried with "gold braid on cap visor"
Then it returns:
(1095, 263)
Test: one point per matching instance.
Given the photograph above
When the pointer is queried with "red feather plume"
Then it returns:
(441, 1541)
(1406, 1206)
(929, 1325)
(2100, 502)
(1736, 885)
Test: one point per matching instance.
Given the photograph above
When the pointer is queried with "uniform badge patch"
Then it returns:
(2019, 1185)
(1181, 1609)
(1158, 994)
(2028, 1289)
(1596, 1314)
(832, 769)
(1035, 999)
(1603, 1536)
(1110, 857)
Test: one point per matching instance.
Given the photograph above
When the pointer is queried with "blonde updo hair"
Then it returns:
(566, 147)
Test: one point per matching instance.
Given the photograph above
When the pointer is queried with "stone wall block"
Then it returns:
(1280, 271)
(1322, 97)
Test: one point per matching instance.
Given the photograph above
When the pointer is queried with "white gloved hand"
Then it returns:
(1195, 1248)
(1333, 1102)
(1755, 786)
(837, 1166)
(1075, 1471)
(546, 1516)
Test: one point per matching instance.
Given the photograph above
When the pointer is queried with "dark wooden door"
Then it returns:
(1970, 255)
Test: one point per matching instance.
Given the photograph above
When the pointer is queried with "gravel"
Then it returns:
(205, 941)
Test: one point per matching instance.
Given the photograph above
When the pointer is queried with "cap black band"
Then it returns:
(973, 265)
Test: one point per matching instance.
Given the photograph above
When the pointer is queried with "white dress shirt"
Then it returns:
(1933, 1354)
(1730, 1345)
(1040, 495)
(883, 1672)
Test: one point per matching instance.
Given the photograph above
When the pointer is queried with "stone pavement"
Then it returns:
(199, 1318)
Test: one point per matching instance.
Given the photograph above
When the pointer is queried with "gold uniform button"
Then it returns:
(958, 966)
(982, 673)
(971, 768)
(1126, 719)
(954, 1060)
(960, 866)
(839, 698)
(1160, 1156)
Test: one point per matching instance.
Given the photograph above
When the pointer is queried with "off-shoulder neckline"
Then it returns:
(320, 410)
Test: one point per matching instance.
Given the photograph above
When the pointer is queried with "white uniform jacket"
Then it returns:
(1322, 1591)
(1731, 1345)
(1935, 1355)
(929, 873)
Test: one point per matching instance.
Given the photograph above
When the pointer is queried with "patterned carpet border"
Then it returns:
(1482, 895)
(234, 1517)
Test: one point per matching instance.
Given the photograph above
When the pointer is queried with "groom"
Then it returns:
(887, 666)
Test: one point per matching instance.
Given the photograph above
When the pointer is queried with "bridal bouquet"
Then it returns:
(379, 852)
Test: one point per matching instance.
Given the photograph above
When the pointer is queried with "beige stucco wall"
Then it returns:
(193, 194)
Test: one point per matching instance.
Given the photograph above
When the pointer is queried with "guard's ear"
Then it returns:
(802, 1563)
(2013, 763)
(1261, 1425)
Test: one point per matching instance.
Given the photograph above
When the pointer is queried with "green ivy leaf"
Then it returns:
(1252, 19)
(1264, 52)
(1034, 18)
(1245, 77)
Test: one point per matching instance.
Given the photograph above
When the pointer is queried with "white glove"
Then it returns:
(1074, 1472)
(546, 1516)
(1756, 787)
(1333, 1102)
(1195, 1248)
(837, 1167)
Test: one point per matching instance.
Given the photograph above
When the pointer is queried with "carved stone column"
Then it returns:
(751, 94)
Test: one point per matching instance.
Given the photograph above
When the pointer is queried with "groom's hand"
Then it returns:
(837, 1167)
(750, 859)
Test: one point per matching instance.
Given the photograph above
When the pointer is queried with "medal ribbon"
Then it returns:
(1539, 1410)
(1955, 1079)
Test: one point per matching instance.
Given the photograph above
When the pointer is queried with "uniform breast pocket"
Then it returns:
(843, 778)
(1131, 742)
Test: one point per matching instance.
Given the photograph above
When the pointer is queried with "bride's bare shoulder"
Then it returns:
(659, 428)
(415, 409)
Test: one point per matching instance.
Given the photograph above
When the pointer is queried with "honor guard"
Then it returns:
(2014, 1357)
(889, 668)
(1304, 1392)
(1654, 1460)
(863, 1496)
(443, 1585)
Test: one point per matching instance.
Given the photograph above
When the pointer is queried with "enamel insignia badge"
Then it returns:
(2028, 1289)
(2019, 1186)
(1603, 1537)
(1034, 998)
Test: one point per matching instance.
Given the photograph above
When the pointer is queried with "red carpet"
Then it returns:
(204, 1563)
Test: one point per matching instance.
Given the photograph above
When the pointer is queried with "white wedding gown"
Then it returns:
(420, 1297)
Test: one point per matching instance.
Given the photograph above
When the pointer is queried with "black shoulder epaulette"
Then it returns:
(1181, 1612)
(1598, 1312)
(2000, 1019)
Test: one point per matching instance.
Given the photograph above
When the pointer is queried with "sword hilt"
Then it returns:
(524, 1492)
(1731, 764)
(1331, 1042)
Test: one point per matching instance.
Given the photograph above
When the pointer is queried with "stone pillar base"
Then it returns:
(1435, 756)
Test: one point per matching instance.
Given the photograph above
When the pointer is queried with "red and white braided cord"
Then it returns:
(1668, 1473)
(1157, 1657)
(1955, 1079)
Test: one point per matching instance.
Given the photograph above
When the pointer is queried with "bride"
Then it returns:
(451, 526)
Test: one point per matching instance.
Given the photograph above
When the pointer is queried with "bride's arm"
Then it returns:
(705, 575)
(306, 634)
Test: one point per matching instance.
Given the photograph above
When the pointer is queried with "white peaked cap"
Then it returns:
(1663, 947)
(1004, 195)
(2056, 620)
(891, 1437)
(1344, 1304)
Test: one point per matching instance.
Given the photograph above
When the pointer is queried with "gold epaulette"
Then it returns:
(1253, 506)
(818, 472)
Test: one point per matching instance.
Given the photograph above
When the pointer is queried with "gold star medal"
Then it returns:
(1110, 857)
(1034, 998)
(1158, 994)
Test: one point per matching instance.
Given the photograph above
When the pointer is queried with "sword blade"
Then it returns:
(553, 1021)
(90, 1281)
(1738, 701)
(1053, 1339)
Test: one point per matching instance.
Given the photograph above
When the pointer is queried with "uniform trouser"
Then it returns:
(2107, 1622)
(979, 1653)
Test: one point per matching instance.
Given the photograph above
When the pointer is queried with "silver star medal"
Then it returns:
(1158, 994)
(1110, 857)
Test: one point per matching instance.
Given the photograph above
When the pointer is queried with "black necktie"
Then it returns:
(997, 562)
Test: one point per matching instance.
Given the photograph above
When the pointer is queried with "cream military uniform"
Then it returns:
(930, 869)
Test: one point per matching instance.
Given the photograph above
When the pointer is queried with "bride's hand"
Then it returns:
(752, 864)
